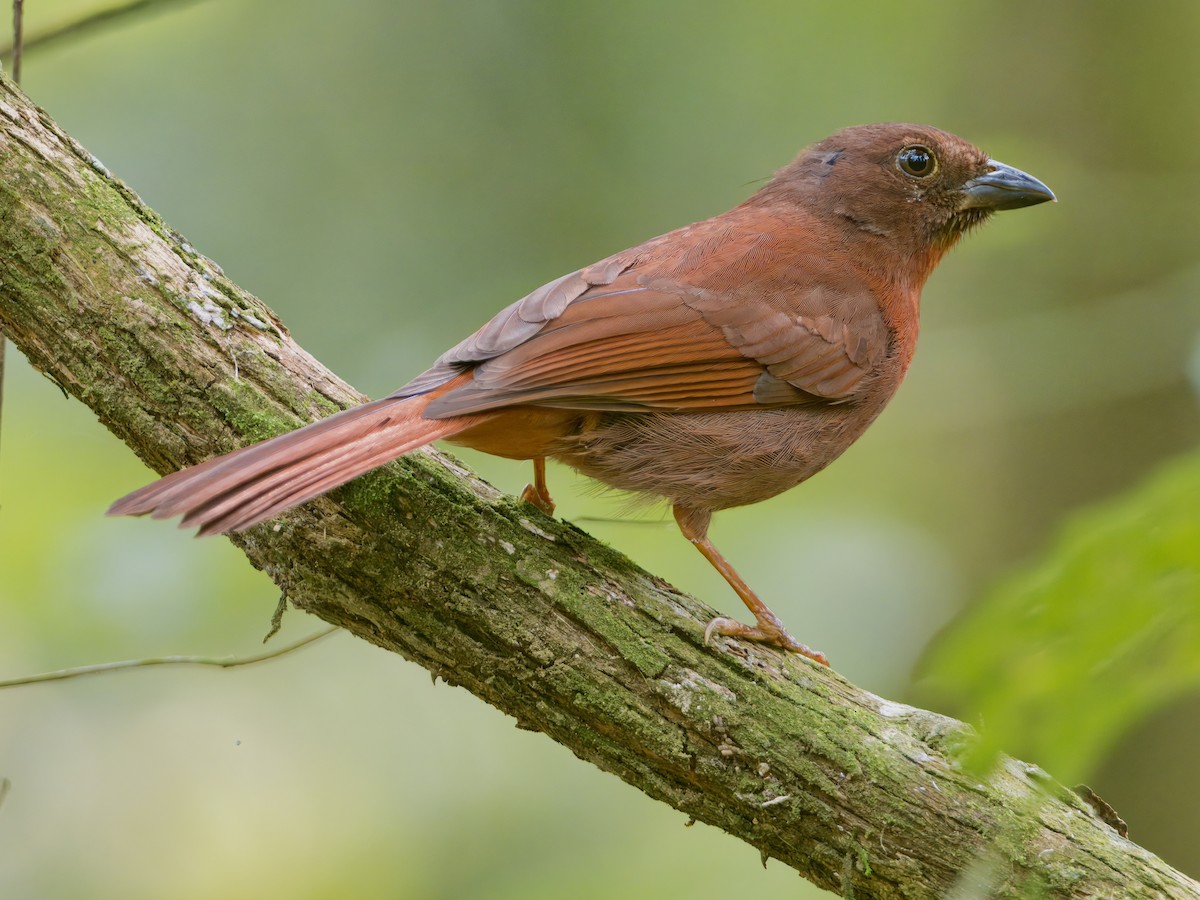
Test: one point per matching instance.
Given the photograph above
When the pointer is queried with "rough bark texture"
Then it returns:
(858, 794)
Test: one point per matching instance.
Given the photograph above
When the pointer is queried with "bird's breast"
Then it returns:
(715, 460)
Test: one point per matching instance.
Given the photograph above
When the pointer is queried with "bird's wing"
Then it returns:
(621, 335)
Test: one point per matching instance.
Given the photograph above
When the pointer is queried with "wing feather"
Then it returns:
(621, 335)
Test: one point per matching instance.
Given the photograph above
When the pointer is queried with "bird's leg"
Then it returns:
(537, 493)
(768, 629)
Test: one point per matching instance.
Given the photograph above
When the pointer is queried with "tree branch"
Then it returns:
(858, 794)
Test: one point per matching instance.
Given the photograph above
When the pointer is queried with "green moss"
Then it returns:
(29, 252)
(243, 407)
(864, 860)
(374, 494)
(113, 201)
(615, 621)
(323, 404)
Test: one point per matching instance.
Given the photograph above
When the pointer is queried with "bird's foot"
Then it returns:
(539, 498)
(764, 632)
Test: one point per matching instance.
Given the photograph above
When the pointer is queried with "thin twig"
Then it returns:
(222, 662)
(99, 19)
(18, 38)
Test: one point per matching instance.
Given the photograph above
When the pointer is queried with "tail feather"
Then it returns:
(249, 486)
(282, 488)
(185, 490)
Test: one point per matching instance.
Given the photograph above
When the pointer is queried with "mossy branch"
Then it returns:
(533, 616)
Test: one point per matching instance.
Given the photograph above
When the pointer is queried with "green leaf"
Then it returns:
(1059, 661)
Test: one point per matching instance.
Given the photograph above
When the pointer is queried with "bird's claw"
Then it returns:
(718, 626)
(763, 633)
(541, 500)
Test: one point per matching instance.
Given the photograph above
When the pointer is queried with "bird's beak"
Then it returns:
(1003, 187)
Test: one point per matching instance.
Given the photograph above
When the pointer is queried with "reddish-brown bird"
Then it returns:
(713, 366)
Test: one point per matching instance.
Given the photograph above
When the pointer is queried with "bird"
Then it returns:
(711, 367)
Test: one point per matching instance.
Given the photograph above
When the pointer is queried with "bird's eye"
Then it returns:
(917, 161)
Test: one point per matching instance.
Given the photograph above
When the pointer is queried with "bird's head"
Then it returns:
(916, 187)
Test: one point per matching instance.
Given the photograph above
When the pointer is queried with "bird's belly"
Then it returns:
(713, 460)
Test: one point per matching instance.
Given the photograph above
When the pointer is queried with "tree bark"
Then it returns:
(860, 795)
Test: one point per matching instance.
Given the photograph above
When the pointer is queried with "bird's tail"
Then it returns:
(249, 486)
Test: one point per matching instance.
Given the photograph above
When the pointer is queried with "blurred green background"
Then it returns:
(386, 175)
